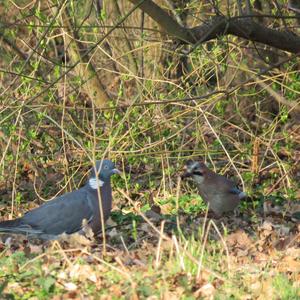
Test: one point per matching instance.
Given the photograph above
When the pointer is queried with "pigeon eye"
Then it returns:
(105, 167)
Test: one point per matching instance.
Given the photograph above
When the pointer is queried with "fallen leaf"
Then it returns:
(70, 286)
(239, 239)
(86, 228)
(267, 225)
(207, 291)
(289, 264)
(112, 233)
(82, 273)
(74, 240)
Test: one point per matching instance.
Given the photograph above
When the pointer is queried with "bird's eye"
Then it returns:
(198, 172)
(105, 167)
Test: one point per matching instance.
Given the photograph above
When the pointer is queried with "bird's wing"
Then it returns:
(62, 214)
(234, 190)
(224, 185)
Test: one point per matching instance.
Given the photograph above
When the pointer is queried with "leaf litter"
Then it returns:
(145, 264)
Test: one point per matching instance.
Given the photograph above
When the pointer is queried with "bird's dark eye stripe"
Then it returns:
(198, 173)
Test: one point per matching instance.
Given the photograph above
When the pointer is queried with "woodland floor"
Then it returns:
(249, 255)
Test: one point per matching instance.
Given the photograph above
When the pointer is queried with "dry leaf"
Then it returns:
(113, 233)
(70, 286)
(74, 240)
(289, 264)
(86, 228)
(207, 291)
(239, 239)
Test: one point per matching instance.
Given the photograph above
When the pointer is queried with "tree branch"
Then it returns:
(243, 27)
(165, 21)
(248, 29)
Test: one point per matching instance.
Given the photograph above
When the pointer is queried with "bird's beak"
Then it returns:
(116, 171)
(185, 175)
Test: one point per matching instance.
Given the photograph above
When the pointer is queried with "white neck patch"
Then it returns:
(95, 183)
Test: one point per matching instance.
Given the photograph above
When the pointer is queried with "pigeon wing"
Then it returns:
(62, 214)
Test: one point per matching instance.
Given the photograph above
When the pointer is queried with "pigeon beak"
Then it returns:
(116, 171)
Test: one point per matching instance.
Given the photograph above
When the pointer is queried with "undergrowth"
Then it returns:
(218, 110)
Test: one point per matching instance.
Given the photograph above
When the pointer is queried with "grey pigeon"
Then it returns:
(220, 193)
(66, 213)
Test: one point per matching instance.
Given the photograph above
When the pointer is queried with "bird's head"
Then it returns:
(195, 169)
(103, 169)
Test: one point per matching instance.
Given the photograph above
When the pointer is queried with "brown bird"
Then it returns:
(219, 192)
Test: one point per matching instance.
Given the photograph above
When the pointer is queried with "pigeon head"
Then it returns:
(104, 170)
(195, 169)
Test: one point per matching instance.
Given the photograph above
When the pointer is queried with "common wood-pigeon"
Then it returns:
(66, 213)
